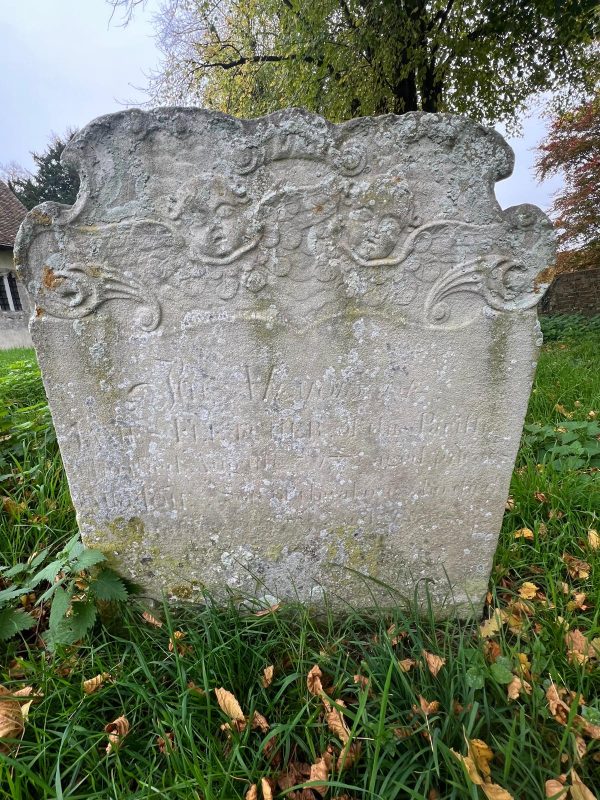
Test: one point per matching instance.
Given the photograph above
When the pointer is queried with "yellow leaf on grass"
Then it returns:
(470, 766)
(562, 410)
(593, 539)
(523, 533)
(491, 626)
(406, 664)
(267, 792)
(477, 762)
(434, 663)
(228, 704)
(267, 676)
(579, 791)
(252, 793)
(482, 754)
(92, 684)
(117, 730)
(528, 590)
(362, 681)
(313, 681)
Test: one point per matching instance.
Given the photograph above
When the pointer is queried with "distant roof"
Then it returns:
(12, 213)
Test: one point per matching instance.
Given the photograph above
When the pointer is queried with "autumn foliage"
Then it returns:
(573, 149)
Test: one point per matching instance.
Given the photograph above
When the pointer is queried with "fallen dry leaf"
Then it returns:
(117, 731)
(469, 765)
(580, 746)
(166, 744)
(510, 503)
(577, 567)
(196, 689)
(270, 610)
(362, 681)
(555, 789)
(406, 664)
(265, 786)
(337, 724)
(578, 602)
(259, 722)
(593, 539)
(319, 771)
(349, 756)
(516, 686)
(579, 650)
(482, 755)
(434, 663)
(494, 792)
(528, 590)
(229, 705)
(176, 643)
(92, 684)
(540, 497)
(562, 410)
(579, 791)
(147, 617)
(267, 676)
(12, 723)
(523, 533)
(491, 626)
(396, 635)
(426, 707)
(478, 761)
(252, 793)
(313, 681)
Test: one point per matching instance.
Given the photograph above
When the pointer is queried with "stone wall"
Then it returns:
(13, 324)
(574, 293)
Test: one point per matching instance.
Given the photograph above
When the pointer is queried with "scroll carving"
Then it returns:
(75, 291)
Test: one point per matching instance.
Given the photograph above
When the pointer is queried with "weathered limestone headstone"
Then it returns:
(282, 354)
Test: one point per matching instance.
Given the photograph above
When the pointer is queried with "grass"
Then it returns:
(164, 685)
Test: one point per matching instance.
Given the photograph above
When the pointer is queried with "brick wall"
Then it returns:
(573, 293)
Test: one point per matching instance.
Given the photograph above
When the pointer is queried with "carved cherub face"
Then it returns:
(214, 213)
(376, 216)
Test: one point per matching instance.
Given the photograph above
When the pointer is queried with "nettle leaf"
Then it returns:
(58, 611)
(6, 595)
(108, 586)
(14, 620)
(48, 573)
(87, 559)
(10, 572)
(82, 619)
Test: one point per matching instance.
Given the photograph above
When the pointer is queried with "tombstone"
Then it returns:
(287, 358)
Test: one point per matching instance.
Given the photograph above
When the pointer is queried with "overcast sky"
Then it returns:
(64, 62)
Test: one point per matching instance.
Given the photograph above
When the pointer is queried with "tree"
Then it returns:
(50, 181)
(573, 149)
(345, 58)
